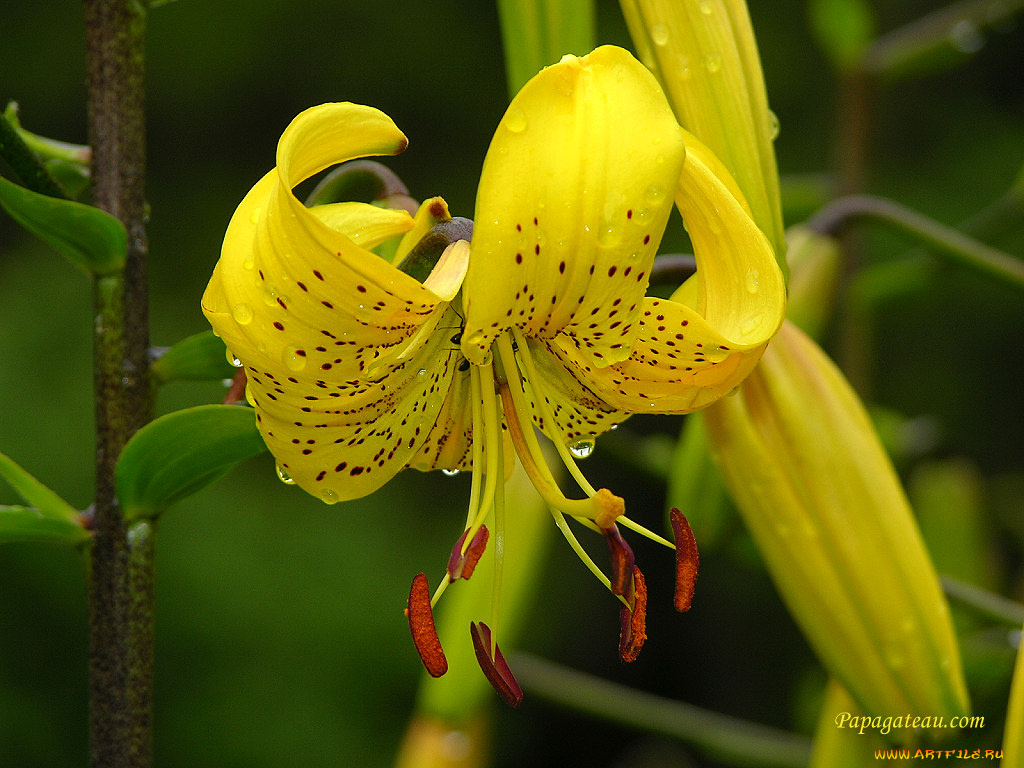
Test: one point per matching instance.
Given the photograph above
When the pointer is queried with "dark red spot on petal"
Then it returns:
(421, 624)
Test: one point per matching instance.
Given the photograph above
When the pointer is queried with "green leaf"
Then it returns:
(87, 236)
(181, 453)
(45, 501)
(844, 28)
(28, 524)
(200, 357)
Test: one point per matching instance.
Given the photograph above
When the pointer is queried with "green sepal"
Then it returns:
(181, 453)
(201, 357)
(86, 236)
(45, 501)
(29, 524)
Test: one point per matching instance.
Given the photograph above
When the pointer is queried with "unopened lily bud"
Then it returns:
(824, 505)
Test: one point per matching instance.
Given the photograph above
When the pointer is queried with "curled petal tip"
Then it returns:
(495, 667)
(633, 629)
(687, 560)
(421, 624)
(462, 564)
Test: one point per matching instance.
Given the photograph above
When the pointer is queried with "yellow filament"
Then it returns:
(526, 444)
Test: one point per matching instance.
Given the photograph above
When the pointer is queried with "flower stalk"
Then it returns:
(121, 559)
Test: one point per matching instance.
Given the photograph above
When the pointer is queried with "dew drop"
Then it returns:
(706, 7)
(655, 194)
(450, 472)
(581, 449)
(773, 125)
(269, 295)
(254, 216)
(249, 261)
(659, 34)
(293, 360)
(642, 215)
(751, 324)
(753, 281)
(232, 359)
(242, 314)
(515, 119)
(329, 496)
(284, 477)
(713, 63)
(634, 256)
(249, 397)
(609, 235)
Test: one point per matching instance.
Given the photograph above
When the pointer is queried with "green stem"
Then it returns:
(726, 739)
(121, 562)
(983, 602)
(955, 245)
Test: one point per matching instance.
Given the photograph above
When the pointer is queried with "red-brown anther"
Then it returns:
(421, 624)
(496, 670)
(687, 560)
(461, 565)
(622, 562)
(633, 630)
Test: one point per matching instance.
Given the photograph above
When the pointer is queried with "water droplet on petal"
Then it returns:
(242, 314)
(450, 472)
(232, 359)
(751, 324)
(753, 281)
(254, 216)
(609, 236)
(249, 261)
(515, 119)
(269, 295)
(284, 477)
(293, 360)
(706, 7)
(773, 125)
(329, 496)
(659, 34)
(713, 63)
(655, 194)
(581, 449)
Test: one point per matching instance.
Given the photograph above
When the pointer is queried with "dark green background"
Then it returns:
(280, 638)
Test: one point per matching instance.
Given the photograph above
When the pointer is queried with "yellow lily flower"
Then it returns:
(357, 369)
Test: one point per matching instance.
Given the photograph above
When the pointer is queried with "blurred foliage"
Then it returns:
(280, 635)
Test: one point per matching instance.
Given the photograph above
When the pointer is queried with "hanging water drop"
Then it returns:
(581, 449)
(450, 472)
(232, 359)
(283, 476)
(773, 125)
(329, 496)
(659, 34)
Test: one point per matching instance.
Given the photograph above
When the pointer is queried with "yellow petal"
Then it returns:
(682, 356)
(573, 199)
(341, 439)
(344, 368)
(431, 212)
